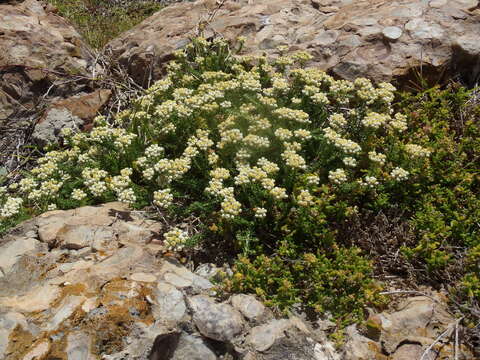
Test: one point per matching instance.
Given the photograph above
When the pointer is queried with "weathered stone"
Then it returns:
(250, 307)
(64, 310)
(192, 348)
(10, 252)
(427, 38)
(181, 277)
(358, 347)
(79, 346)
(264, 336)
(216, 321)
(392, 32)
(38, 299)
(418, 318)
(39, 351)
(37, 48)
(143, 277)
(73, 113)
(411, 352)
(8, 322)
(169, 306)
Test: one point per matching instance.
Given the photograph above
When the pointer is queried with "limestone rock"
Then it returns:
(250, 307)
(344, 36)
(359, 347)
(170, 305)
(75, 113)
(193, 348)
(411, 352)
(10, 252)
(418, 318)
(37, 48)
(216, 321)
(264, 336)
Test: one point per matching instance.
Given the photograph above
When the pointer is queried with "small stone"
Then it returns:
(250, 307)
(216, 321)
(143, 277)
(169, 306)
(392, 32)
(262, 337)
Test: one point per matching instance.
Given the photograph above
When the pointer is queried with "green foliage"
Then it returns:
(100, 21)
(338, 282)
(445, 204)
(274, 158)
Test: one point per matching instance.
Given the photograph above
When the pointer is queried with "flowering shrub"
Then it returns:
(250, 145)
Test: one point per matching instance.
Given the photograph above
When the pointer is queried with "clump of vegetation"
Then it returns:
(274, 159)
(100, 21)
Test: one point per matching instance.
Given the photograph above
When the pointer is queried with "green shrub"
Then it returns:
(100, 21)
(339, 282)
(273, 158)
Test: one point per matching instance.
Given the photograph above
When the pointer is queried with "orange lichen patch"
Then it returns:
(20, 342)
(73, 289)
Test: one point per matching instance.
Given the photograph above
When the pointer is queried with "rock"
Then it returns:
(170, 305)
(38, 351)
(37, 299)
(79, 346)
(326, 351)
(8, 322)
(48, 131)
(181, 277)
(418, 32)
(358, 347)
(216, 321)
(128, 302)
(64, 310)
(411, 352)
(193, 348)
(250, 307)
(264, 336)
(37, 49)
(392, 32)
(419, 318)
(164, 346)
(76, 113)
(10, 252)
(143, 277)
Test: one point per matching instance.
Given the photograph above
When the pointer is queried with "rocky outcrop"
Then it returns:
(92, 283)
(76, 113)
(37, 49)
(379, 39)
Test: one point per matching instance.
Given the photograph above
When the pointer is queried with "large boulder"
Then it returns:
(379, 39)
(37, 49)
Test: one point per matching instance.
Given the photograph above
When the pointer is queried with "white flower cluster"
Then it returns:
(337, 176)
(11, 207)
(175, 239)
(399, 174)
